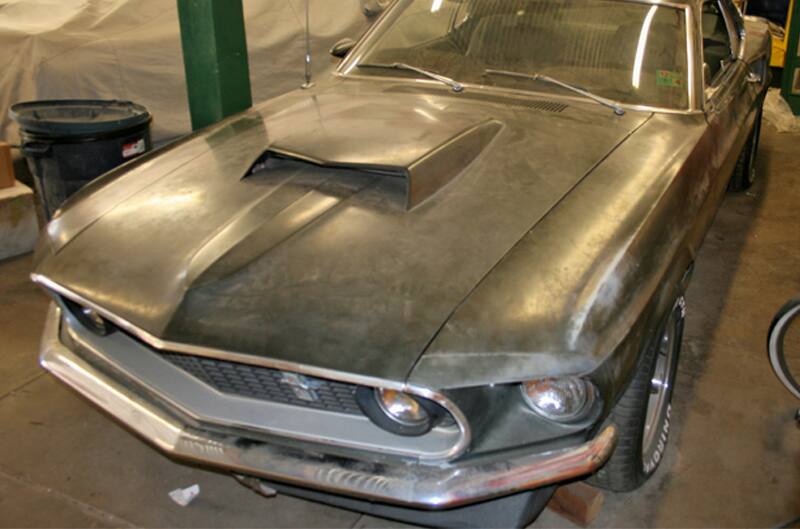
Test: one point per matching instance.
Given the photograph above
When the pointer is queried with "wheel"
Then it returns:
(745, 173)
(642, 415)
(783, 345)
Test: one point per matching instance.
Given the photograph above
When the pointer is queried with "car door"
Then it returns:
(729, 97)
(726, 113)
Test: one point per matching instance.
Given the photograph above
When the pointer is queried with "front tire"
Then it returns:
(642, 415)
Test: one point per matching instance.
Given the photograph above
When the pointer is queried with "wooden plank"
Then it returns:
(6, 167)
(19, 227)
(577, 502)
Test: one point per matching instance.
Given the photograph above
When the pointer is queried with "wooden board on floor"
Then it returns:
(577, 502)
(6, 167)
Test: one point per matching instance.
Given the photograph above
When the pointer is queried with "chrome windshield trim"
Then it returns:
(695, 100)
(523, 94)
(163, 345)
(412, 485)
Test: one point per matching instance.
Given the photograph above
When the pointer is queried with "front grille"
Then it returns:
(272, 385)
(263, 383)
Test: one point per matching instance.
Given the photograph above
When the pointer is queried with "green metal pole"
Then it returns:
(791, 71)
(215, 58)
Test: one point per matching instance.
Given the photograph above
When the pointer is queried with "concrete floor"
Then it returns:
(733, 459)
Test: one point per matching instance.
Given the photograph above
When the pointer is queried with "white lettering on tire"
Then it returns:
(655, 459)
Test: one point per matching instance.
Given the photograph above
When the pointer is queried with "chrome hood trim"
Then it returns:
(161, 345)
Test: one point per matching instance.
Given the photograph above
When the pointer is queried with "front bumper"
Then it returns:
(411, 485)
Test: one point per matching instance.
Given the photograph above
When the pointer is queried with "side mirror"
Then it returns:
(754, 78)
(706, 75)
(373, 8)
(342, 48)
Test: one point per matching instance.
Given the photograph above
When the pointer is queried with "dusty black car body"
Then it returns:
(387, 232)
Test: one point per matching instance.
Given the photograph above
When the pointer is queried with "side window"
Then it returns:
(717, 46)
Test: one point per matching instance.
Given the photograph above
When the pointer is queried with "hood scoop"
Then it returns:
(424, 174)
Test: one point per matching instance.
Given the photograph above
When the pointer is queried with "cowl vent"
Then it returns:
(546, 106)
(540, 105)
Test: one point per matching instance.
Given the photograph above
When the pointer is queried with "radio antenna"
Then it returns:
(308, 83)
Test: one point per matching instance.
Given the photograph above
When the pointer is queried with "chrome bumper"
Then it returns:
(411, 485)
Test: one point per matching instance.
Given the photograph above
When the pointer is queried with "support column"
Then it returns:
(215, 58)
(791, 71)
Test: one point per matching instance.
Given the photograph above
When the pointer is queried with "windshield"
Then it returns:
(630, 52)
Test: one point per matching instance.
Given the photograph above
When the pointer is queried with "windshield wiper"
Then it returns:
(613, 105)
(455, 85)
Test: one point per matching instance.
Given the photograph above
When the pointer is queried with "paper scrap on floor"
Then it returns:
(184, 497)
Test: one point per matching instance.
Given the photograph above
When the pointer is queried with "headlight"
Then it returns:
(401, 407)
(90, 318)
(565, 399)
(398, 412)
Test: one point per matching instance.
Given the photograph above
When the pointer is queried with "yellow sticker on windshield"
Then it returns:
(668, 78)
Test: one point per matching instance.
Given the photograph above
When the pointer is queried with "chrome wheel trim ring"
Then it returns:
(656, 424)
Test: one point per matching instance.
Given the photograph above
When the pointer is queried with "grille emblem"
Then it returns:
(302, 387)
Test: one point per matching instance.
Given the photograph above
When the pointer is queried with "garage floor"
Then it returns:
(733, 459)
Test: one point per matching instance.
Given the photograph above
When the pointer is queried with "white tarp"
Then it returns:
(779, 114)
(131, 49)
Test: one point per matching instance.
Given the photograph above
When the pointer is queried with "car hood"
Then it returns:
(337, 228)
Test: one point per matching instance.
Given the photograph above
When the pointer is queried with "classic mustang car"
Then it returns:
(438, 283)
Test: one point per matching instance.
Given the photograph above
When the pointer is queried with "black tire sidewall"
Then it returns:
(649, 468)
(744, 173)
(752, 156)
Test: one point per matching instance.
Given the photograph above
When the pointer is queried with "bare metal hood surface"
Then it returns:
(323, 263)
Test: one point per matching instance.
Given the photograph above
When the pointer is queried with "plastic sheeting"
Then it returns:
(778, 113)
(131, 49)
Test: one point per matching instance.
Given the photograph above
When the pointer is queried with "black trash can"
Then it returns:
(69, 143)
